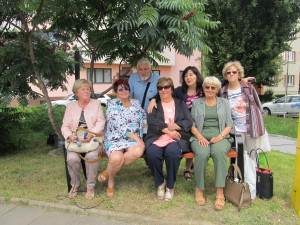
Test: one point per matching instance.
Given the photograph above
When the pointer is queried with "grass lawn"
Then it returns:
(32, 174)
(282, 126)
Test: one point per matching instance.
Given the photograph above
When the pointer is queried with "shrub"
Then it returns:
(38, 120)
(10, 121)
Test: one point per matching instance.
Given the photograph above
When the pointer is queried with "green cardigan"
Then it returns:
(223, 110)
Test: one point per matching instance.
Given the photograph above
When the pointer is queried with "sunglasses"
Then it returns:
(123, 89)
(166, 87)
(210, 87)
(233, 72)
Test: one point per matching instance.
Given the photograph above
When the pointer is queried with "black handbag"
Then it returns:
(264, 178)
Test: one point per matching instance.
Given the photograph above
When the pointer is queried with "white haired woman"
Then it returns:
(211, 127)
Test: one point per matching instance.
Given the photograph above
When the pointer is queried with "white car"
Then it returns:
(277, 107)
(70, 98)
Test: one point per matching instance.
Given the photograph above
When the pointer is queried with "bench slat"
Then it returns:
(190, 155)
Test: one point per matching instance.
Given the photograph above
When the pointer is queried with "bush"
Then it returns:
(10, 121)
(38, 120)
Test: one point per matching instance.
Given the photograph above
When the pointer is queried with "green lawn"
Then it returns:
(32, 174)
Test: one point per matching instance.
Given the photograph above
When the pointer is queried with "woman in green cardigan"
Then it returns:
(211, 127)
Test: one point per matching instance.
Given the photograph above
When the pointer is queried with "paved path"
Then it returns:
(43, 213)
(283, 144)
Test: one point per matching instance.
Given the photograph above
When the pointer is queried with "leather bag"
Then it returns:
(236, 191)
(264, 178)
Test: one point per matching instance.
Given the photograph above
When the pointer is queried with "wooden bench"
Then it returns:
(236, 155)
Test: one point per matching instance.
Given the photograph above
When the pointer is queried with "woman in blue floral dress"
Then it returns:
(124, 131)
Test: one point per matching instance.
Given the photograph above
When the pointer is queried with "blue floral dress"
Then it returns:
(120, 122)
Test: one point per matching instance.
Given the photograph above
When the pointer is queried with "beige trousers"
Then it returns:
(74, 163)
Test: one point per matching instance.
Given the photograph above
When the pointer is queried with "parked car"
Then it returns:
(71, 98)
(277, 107)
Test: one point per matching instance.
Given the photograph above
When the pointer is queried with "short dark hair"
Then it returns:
(199, 81)
(122, 82)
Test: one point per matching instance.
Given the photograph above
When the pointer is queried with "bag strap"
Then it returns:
(145, 93)
(95, 160)
(257, 156)
(231, 169)
(85, 130)
(241, 198)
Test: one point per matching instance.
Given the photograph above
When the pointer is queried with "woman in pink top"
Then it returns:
(168, 132)
(86, 113)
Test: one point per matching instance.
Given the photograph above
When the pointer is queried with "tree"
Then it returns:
(28, 55)
(34, 32)
(130, 30)
(253, 32)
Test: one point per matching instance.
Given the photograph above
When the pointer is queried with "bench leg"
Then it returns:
(241, 159)
(67, 170)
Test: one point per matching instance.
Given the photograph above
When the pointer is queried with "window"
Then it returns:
(295, 99)
(180, 76)
(156, 71)
(288, 56)
(100, 75)
(291, 80)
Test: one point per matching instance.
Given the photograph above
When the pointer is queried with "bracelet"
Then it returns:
(222, 135)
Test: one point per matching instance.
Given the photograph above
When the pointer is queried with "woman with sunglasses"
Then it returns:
(190, 90)
(211, 127)
(124, 131)
(168, 128)
(246, 110)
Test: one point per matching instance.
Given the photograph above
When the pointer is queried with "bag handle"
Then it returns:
(257, 158)
(85, 130)
(95, 160)
(231, 169)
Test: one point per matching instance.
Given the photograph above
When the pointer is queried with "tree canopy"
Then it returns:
(34, 37)
(253, 32)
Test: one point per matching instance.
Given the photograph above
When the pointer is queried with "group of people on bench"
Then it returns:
(191, 116)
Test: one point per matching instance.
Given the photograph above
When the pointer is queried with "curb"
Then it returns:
(96, 212)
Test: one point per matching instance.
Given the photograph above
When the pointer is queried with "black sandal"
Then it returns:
(188, 178)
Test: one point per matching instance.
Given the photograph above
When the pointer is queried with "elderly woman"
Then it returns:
(123, 139)
(86, 113)
(168, 126)
(247, 114)
(246, 108)
(212, 124)
(190, 90)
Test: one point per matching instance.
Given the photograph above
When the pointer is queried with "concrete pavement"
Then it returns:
(29, 212)
(283, 144)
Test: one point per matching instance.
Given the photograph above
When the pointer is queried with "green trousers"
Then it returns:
(218, 152)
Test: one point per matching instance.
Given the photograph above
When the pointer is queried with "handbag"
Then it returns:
(264, 178)
(236, 191)
(85, 147)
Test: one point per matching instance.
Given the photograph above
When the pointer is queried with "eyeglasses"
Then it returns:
(123, 89)
(233, 72)
(166, 87)
(210, 87)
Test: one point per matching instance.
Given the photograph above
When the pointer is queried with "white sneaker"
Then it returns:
(161, 190)
(169, 194)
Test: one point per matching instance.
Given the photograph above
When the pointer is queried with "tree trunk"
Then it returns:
(43, 88)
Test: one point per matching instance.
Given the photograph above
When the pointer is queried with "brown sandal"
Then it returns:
(104, 174)
(110, 192)
(219, 203)
(200, 200)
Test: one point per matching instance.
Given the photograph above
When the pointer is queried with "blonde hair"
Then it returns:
(167, 80)
(77, 84)
(212, 80)
(237, 65)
